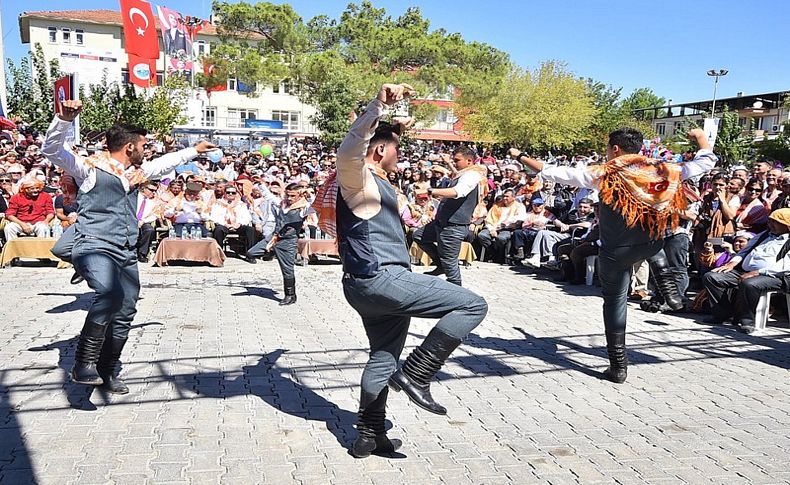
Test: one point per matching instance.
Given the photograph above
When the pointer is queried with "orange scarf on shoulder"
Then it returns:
(644, 191)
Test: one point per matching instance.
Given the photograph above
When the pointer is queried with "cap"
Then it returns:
(194, 187)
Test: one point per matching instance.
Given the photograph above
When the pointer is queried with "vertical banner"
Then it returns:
(711, 129)
(176, 40)
(142, 72)
(139, 29)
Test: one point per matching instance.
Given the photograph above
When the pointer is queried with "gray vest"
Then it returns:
(457, 211)
(365, 245)
(107, 212)
(288, 224)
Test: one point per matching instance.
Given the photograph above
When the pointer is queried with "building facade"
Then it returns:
(91, 44)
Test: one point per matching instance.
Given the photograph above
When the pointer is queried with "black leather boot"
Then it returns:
(666, 282)
(421, 365)
(109, 364)
(290, 293)
(618, 358)
(371, 435)
(436, 272)
(88, 350)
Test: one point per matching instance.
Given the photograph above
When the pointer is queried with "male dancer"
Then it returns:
(640, 199)
(441, 238)
(105, 237)
(377, 280)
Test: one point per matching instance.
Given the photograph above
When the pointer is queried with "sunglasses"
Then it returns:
(231, 192)
(755, 190)
(5, 181)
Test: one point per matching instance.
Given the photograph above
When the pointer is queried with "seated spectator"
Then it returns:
(536, 220)
(230, 215)
(66, 208)
(572, 257)
(709, 258)
(188, 211)
(148, 213)
(758, 268)
(546, 239)
(504, 217)
(174, 190)
(29, 212)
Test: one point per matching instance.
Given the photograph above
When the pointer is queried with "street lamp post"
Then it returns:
(716, 74)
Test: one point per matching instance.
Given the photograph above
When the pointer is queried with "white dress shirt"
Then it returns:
(763, 257)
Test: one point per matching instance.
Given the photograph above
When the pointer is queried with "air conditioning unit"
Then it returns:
(777, 128)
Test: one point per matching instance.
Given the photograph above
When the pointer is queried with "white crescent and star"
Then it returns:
(137, 11)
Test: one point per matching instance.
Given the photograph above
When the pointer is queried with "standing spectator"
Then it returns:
(783, 200)
(148, 212)
(29, 212)
(752, 214)
(773, 187)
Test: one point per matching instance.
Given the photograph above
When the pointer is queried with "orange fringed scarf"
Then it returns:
(644, 191)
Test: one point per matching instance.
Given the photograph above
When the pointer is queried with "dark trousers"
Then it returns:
(443, 245)
(731, 297)
(578, 257)
(144, 238)
(387, 301)
(247, 234)
(676, 248)
(615, 275)
(498, 243)
(522, 238)
(285, 250)
(112, 273)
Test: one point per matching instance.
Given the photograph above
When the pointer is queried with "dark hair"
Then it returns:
(120, 135)
(721, 176)
(385, 133)
(586, 201)
(628, 139)
(292, 187)
(508, 190)
(466, 152)
(743, 182)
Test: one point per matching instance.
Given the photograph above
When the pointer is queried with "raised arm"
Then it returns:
(54, 143)
(168, 162)
(575, 176)
(704, 160)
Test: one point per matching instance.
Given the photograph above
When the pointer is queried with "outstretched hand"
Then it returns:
(390, 94)
(205, 146)
(70, 109)
(514, 153)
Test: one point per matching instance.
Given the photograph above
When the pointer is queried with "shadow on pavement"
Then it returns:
(82, 301)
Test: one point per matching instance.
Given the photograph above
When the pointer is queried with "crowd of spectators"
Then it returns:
(523, 221)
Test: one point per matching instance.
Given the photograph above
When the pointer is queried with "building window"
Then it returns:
(290, 119)
(66, 35)
(285, 87)
(236, 116)
(79, 36)
(202, 47)
(232, 84)
(53, 35)
(209, 117)
(661, 128)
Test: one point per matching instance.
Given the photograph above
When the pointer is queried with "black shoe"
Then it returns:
(747, 329)
(520, 254)
(76, 278)
(421, 366)
(436, 272)
(372, 436)
(142, 259)
(617, 371)
(714, 321)
(108, 366)
(290, 295)
(251, 260)
(89, 348)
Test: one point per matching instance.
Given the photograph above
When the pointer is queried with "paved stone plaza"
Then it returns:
(228, 387)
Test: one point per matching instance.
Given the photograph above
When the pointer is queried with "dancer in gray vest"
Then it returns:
(378, 282)
(105, 237)
(442, 237)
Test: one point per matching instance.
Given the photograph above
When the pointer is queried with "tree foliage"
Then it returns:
(544, 109)
(642, 99)
(732, 142)
(336, 63)
(30, 88)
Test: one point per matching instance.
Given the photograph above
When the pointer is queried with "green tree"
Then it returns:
(30, 88)
(642, 99)
(732, 142)
(338, 63)
(548, 108)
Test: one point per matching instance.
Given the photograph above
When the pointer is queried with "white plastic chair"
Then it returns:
(761, 313)
(590, 261)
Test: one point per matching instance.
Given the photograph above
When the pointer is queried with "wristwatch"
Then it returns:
(430, 191)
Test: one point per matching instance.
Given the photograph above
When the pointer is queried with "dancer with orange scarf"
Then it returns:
(641, 202)
(377, 278)
(441, 238)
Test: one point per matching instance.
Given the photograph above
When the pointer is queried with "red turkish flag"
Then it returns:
(139, 29)
(142, 72)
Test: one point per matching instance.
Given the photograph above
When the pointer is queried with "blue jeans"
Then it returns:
(112, 273)
(387, 301)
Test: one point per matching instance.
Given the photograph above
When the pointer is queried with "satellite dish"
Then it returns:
(757, 104)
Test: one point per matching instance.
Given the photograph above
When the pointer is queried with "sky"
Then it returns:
(665, 45)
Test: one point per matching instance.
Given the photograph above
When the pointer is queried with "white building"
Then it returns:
(91, 43)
